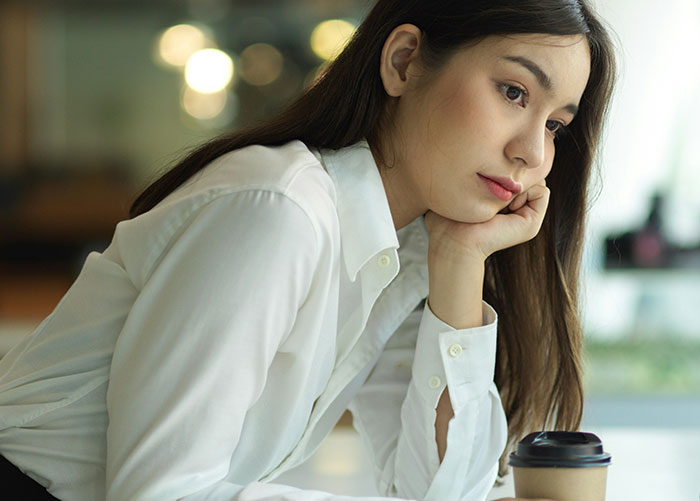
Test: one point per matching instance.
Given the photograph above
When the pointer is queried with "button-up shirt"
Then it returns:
(218, 339)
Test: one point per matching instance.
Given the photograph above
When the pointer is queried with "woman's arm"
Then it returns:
(430, 413)
(395, 410)
(456, 260)
(457, 301)
(194, 353)
(456, 263)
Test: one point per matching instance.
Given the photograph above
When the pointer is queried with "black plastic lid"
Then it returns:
(559, 449)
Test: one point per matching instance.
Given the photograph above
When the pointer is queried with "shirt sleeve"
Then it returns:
(424, 356)
(193, 354)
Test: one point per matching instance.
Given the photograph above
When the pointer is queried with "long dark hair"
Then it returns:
(533, 286)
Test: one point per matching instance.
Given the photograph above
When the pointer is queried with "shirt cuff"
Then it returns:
(462, 359)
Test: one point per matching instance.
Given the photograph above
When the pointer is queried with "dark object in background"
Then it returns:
(645, 247)
(49, 222)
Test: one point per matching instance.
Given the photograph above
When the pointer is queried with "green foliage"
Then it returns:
(630, 365)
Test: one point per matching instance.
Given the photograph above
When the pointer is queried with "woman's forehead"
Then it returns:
(537, 44)
(560, 63)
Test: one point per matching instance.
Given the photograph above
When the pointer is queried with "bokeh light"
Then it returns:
(176, 44)
(330, 37)
(260, 64)
(209, 70)
(203, 106)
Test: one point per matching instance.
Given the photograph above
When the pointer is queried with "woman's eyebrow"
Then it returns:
(542, 78)
(532, 66)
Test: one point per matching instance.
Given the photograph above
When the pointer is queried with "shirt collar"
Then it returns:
(366, 224)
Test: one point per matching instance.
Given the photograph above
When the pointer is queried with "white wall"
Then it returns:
(652, 141)
(651, 145)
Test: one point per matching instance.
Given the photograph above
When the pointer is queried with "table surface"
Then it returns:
(647, 465)
(654, 443)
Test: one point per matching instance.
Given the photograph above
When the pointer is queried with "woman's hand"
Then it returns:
(457, 252)
(518, 223)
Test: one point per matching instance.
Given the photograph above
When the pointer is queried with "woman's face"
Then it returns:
(488, 119)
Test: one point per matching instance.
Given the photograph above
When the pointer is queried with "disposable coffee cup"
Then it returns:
(560, 465)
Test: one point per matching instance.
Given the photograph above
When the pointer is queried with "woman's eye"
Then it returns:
(514, 94)
(555, 127)
(518, 96)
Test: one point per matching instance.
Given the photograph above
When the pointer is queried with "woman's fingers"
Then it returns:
(522, 198)
(535, 199)
(518, 222)
(518, 202)
(538, 198)
(530, 215)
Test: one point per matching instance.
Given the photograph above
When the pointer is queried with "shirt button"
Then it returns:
(384, 260)
(434, 382)
(455, 350)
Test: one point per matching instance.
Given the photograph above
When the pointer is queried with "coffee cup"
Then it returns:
(560, 465)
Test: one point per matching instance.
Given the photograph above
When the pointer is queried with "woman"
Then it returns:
(279, 275)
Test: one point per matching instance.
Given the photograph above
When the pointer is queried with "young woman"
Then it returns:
(278, 275)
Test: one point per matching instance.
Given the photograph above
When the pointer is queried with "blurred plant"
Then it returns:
(664, 365)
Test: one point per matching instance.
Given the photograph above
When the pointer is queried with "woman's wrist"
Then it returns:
(455, 291)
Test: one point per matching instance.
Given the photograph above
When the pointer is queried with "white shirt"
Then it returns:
(221, 335)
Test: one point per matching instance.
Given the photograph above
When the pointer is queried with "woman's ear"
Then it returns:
(399, 52)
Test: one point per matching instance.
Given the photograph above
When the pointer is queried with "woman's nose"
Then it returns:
(528, 147)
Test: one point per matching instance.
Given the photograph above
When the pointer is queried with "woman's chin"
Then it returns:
(474, 215)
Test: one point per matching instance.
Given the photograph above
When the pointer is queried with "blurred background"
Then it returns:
(97, 97)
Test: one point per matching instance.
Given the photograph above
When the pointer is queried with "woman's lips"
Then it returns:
(502, 188)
